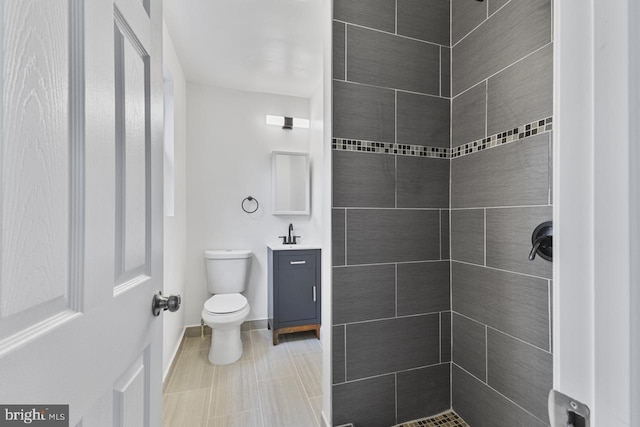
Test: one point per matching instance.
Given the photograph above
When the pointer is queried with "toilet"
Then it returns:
(224, 312)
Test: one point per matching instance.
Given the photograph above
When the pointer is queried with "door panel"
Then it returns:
(81, 123)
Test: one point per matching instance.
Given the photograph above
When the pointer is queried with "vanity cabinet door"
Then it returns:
(297, 288)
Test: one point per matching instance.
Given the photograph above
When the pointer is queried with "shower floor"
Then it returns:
(446, 419)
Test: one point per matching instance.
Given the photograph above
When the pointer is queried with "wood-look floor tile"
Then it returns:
(309, 366)
(284, 403)
(185, 409)
(243, 419)
(271, 361)
(316, 405)
(197, 343)
(193, 371)
(235, 390)
(302, 342)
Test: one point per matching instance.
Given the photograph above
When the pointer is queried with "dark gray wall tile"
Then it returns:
(469, 346)
(385, 346)
(518, 29)
(381, 235)
(445, 72)
(339, 33)
(515, 304)
(468, 115)
(445, 252)
(551, 167)
(363, 179)
(521, 372)
(509, 239)
(423, 392)
(423, 287)
(480, 406)
(514, 174)
(337, 236)
(466, 15)
(445, 336)
(370, 402)
(522, 93)
(337, 354)
(467, 235)
(423, 182)
(363, 112)
(423, 120)
(380, 14)
(494, 5)
(386, 60)
(364, 293)
(425, 20)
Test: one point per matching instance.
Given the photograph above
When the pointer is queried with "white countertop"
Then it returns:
(281, 247)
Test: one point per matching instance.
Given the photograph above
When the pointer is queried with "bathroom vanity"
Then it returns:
(294, 289)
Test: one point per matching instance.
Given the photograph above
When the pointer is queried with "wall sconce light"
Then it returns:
(287, 122)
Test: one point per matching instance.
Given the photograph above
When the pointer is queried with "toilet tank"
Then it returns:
(227, 270)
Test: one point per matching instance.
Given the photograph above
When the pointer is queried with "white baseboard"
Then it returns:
(171, 365)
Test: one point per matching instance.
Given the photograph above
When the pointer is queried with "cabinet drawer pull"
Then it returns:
(297, 262)
(314, 293)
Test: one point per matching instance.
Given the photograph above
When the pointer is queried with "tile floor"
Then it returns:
(268, 387)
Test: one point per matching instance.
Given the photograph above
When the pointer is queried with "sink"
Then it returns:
(281, 247)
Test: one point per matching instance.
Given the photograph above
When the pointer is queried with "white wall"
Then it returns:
(228, 159)
(175, 229)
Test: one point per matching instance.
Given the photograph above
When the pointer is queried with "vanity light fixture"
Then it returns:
(287, 122)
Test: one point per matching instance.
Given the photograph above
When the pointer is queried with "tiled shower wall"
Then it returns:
(501, 301)
(405, 133)
(391, 274)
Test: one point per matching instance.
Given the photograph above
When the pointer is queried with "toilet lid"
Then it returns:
(225, 303)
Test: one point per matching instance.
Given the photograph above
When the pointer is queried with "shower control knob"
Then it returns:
(161, 303)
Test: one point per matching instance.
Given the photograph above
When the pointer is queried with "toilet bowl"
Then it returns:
(225, 313)
(227, 309)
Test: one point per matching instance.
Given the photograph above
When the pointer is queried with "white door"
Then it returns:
(81, 208)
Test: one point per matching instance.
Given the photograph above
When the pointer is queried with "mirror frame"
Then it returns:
(274, 189)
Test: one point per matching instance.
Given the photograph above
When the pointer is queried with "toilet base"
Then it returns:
(226, 346)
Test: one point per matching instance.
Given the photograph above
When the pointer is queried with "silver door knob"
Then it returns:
(161, 303)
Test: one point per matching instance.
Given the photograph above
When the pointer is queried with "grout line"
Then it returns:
(501, 7)
(440, 335)
(346, 46)
(364, 208)
(395, 392)
(499, 393)
(504, 68)
(393, 373)
(500, 207)
(502, 332)
(396, 21)
(345, 353)
(255, 371)
(431, 95)
(345, 237)
(486, 354)
(389, 33)
(396, 277)
(440, 232)
(405, 316)
(486, 108)
(500, 269)
(440, 71)
(389, 263)
(485, 237)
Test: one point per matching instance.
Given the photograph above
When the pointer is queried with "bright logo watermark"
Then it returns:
(35, 415)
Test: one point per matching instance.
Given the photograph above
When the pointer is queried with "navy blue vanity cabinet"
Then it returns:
(294, 291)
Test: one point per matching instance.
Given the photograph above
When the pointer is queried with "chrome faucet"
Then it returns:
(289, 239)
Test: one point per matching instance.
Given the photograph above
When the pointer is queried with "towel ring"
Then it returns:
(250, 199)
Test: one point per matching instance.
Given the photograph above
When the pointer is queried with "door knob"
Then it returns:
(161, 303)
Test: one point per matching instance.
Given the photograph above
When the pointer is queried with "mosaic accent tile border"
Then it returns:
(501, 138)
(389, 148)
(446, 419)
(512, 135)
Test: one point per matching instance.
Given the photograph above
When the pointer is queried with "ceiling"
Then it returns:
(272, 46)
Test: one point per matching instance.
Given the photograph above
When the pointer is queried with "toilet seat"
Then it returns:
(225, 303)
